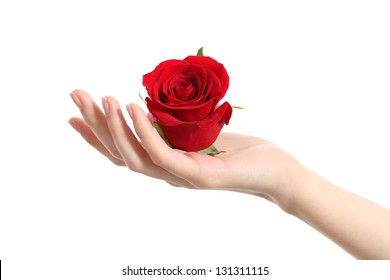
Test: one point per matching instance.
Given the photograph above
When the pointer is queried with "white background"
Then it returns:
(313, 77)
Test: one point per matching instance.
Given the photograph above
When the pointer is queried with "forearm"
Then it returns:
(356, 224)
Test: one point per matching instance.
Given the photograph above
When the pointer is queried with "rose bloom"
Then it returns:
(184, 97)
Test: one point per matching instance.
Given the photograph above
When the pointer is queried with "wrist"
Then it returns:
(305, 188)
(287, 194)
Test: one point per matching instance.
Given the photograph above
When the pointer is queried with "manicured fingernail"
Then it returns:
(106, 106)
(75, 99)
(130, 111)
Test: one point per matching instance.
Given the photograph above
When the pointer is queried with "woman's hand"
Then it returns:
(250, 164)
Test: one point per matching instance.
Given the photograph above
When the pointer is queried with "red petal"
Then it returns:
(196, 136)
(213, 65)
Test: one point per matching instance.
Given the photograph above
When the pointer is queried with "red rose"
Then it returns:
(184, 98)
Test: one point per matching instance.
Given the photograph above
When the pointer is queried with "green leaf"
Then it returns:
(212, 150)
(161, 132)
(237, 107)
(200, 52)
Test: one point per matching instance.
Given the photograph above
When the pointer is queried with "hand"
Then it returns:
(250, 164)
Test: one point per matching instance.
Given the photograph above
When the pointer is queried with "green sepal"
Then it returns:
(139, 94)
(200, 52)
(237, 107)
(161, 133)
(212, 150)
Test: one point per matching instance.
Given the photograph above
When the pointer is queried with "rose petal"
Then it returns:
(196, 136)
(222, 114)
(214, 66)
(162, 115)
(150, 79)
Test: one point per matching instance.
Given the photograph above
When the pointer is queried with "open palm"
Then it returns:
(249, 164)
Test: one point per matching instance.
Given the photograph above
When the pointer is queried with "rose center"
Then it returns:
(184, 91)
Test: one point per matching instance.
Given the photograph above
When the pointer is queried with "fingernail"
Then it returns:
(75, 99)
(130, 111)
(106, 106)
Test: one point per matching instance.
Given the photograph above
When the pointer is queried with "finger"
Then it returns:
(82, 127)
(150, 118)
(136, 158)
(96, 120)
(174, 161)
(124, 139)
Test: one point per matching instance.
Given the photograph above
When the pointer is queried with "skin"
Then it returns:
(252, 165)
